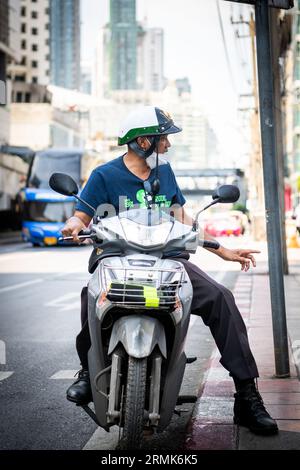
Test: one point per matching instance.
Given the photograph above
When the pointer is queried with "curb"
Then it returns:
(211, 425)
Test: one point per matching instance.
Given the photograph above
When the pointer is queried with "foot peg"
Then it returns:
(186, 399)
(189, 360)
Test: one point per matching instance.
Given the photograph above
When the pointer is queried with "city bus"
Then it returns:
(44, 212)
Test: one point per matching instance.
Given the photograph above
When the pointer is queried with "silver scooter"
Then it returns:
(138, 311)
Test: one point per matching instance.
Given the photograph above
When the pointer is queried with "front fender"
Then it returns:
(139, 335)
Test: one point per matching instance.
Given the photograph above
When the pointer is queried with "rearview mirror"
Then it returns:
(226, 193)
(63, 184)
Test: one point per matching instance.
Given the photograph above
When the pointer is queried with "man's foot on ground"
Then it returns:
(249, 411)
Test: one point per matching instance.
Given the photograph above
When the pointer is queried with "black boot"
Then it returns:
(249, 409)
(80, 391)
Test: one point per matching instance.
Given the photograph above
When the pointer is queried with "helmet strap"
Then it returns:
(136, 148)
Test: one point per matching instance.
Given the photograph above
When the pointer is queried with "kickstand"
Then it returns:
(92, 415)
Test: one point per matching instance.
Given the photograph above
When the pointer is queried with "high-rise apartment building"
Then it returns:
(9, 51)
(65, 43)
(34, 63)
(123, 45)
(150, 59)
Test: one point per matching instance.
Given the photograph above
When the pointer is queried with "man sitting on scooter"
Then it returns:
(121, 183)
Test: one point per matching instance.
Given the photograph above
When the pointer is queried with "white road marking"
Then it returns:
(2, 352)
(64, 374)
(102, 440)
(64, 302)
(22, 284)
(5, 375)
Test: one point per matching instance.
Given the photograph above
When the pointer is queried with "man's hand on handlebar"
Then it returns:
(73, 226)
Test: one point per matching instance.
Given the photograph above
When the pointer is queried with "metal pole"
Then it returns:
(275, 54)
(272, 202)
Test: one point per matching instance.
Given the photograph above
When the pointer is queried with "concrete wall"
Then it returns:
(30, 125)
(12, 173)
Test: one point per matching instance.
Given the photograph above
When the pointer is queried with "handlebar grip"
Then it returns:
(82, 234)
(210, 244)
(85, 232)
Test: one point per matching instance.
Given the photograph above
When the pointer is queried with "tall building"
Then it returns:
(34, 63)
(9, 51)
(65, 43)
(183, 85)
(123, 45)
(150, 64)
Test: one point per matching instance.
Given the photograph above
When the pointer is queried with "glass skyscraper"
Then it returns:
(65, 43)
(123, 45)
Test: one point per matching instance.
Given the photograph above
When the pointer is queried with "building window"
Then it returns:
(297, 117)
(20, 78)
(34, 14)
(47, 26)
(47, 42)
(23, 11)
(47, 73)
(34, 80)
(34, 31)
(23, 28)
(34, 47)
(27, 97)
(33, 1)
(19, 97)
(47, 57)
(34, 64)
(23, 44)
(47, 11)
(297, 69)
(23, 61)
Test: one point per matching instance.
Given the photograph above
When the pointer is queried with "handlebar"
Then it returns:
(81, 235)
(209, 244)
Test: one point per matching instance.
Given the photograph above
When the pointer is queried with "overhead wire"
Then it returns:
(225, 47)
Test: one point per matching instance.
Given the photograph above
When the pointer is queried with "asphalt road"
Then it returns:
(39, 320)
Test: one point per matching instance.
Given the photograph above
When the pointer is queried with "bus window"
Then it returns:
(41, 211)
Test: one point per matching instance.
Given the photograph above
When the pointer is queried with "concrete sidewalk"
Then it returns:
(211, 426)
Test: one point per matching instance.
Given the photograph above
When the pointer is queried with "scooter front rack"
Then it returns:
(142, 287)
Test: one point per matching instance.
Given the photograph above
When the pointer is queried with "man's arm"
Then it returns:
(244, 257)
(79, 221)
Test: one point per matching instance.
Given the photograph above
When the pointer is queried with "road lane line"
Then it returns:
(22, 284)
(5, 375)
(64, 302)
(64, 374)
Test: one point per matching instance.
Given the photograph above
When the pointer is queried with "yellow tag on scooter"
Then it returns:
(151, 298)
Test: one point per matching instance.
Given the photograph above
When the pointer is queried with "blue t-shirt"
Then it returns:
(113, 188)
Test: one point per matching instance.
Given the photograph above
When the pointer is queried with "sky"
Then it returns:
(194, 47)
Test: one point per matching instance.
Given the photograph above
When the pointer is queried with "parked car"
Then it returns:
(223, 225)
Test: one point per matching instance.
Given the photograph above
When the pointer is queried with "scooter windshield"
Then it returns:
(146, 227)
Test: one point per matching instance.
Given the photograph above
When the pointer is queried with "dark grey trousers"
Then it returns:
(215, 304)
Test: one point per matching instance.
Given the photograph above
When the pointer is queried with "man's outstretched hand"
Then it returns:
(244, 257)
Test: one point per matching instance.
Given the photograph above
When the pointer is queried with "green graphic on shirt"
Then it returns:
(160, 200)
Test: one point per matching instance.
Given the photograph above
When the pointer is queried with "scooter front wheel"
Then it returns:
(134, 403)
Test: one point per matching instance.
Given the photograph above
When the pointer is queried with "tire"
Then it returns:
(134, 403)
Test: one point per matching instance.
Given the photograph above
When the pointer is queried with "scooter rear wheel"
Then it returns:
(134, 403)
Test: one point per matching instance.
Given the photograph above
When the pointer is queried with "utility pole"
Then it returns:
(272, 200)
(256, 164)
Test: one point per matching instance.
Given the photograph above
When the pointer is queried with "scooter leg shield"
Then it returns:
(139, 335)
